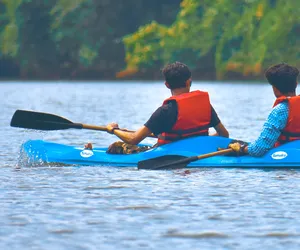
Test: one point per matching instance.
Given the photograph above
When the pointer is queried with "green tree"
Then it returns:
(57, 38)
(244, 36)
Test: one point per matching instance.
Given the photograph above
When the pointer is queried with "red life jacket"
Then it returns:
(291, 132)
(194, 116)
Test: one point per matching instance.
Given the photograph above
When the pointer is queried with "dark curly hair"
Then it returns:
(283, 77)
(176, 74)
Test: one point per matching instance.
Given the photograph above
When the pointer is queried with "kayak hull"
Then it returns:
(285, 156)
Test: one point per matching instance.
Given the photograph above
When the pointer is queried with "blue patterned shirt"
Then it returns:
(276, 121)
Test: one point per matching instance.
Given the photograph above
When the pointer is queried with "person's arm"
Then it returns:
(221, 130)
(272, 128)
(217, 124)
(129, 137)
(161, 120)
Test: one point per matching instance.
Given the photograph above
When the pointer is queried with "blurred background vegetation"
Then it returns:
(134, 39)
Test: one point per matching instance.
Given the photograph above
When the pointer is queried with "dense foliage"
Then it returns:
(98, 38)
(230, 35)
(73, 38)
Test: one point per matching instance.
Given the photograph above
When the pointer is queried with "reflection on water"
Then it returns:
(67, 207)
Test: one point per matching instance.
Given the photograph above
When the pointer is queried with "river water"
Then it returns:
(122, 208)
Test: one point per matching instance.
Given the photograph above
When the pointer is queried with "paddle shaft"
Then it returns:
(94, 127)
(193, 158)
(220, 152)
(103, 128)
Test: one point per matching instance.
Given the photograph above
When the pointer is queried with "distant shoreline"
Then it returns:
(141, 76)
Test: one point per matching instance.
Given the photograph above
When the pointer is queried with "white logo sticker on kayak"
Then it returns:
(86, 153)
(279, 155)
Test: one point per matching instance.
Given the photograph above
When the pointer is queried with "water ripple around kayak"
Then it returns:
(209, 234)
(105, 187)
(276, 235)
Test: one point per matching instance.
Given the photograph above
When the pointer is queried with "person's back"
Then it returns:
(191, 120)
(291, 130)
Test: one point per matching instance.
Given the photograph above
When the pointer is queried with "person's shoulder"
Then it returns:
(171, 104)
(280, 110)
(165, 109)
(281, 107)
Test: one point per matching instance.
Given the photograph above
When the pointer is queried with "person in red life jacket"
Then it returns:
(182, 115)
(283, 123)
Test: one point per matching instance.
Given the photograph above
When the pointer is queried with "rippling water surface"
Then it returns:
(54, 207)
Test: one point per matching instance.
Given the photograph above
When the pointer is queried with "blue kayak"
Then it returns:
(285, 156)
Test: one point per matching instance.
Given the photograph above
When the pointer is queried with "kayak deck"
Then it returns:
(285, 156)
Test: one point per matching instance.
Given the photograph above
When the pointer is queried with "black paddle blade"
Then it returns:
(164, 162)
(41, 121)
